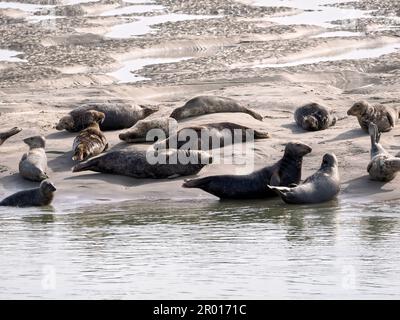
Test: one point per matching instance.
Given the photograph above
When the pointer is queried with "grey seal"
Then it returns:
(90, 141)
(138, 132)
(37, 197)
(383, 166)
(33, 164)
(314, 117)
(210, 136)
(211, 104)
(118, 116)
(322, 186)
(135, 163)
(385, 117)
(285, 172)
(7, 134)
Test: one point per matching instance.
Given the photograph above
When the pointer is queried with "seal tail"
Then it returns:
(261, 135)
(195, 183)
(394, 164)
(254, 114)
(279, 190)
(148, 109)
(84, 166)
(5, 135)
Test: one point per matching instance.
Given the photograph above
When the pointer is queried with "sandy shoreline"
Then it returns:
(224, 51)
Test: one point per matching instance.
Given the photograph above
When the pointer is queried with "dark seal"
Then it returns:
(134, 163)
(118, 116)
(285, 172)
(314, 117)
(37, 197)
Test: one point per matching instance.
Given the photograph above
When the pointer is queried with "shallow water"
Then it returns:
(132, 9)
(126, 75)
(316, 12)
(27, 7)
(202, 249)
(356, 53)
(144, 24)
(9, 55)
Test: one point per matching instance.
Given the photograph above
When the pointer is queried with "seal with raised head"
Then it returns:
(383, 166)
(211, 104)
(7, 134)
(90, 141)
(148, 164)
(33, 164)
(118, 116)
(285, 172)
(314, 117)
(385, 117)
(138, 133)
(322, 186)
(37, 197)
(211, 136)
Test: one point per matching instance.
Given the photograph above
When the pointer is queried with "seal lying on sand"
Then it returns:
(285, 172)
(173, 163)
(314, 117)
(383, 166)
(322, 186)
(210, 136)
(90, 141)
(118, 116)
(209, 104)
(384, 117)
(37, 197)
(139, 131)
(5, 135)
(33, 164)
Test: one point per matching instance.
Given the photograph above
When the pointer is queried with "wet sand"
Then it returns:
(240, 52)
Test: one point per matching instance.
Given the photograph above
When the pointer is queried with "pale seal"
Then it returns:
(7, 134)
(383, 166)
(211, 136)
(285, 172)
(135, 163)
(37, 197)
(138, 133)
(118, 116)
(322, 186)
(211, 104)
(90, 141)
(314, 117)
(33, 164)
(385, 117)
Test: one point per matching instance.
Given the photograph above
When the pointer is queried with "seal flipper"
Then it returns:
(394, 164)
(84, 166)
(390, 118)
(195, 183)
(254, 114)
(275, 180)
(261, 135)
